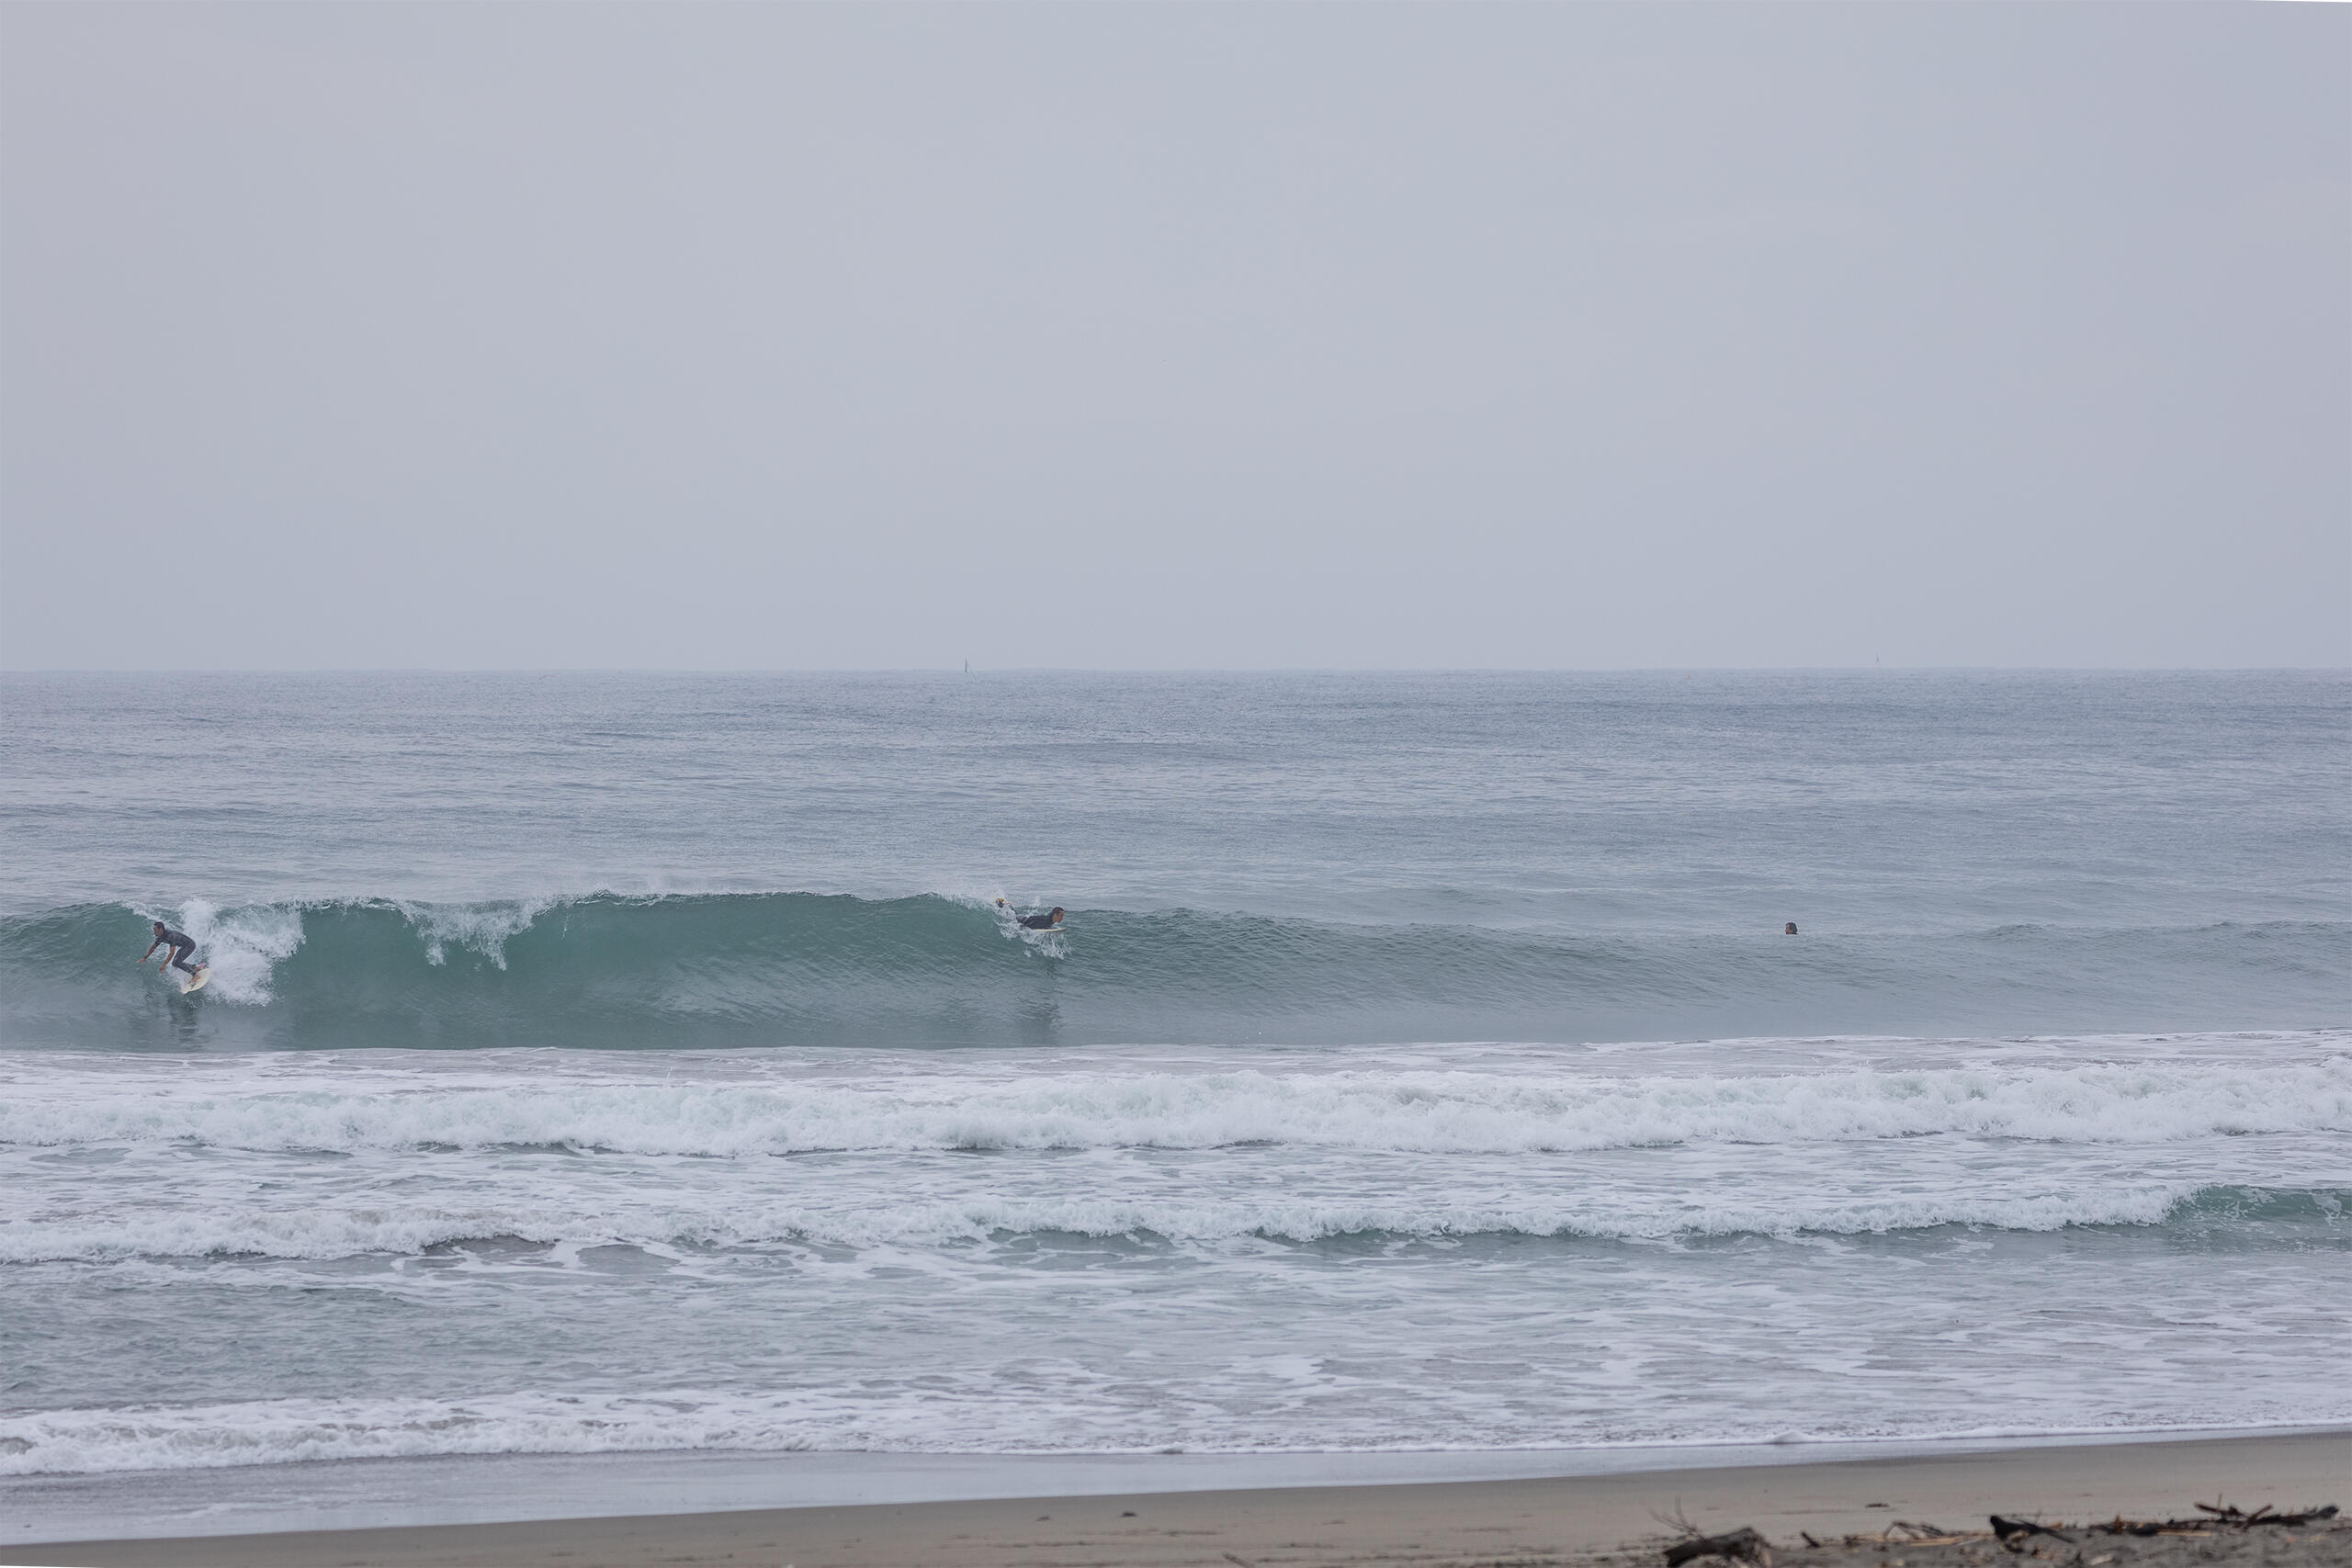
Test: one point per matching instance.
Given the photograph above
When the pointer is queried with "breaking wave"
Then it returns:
(323, 1232)
(784, 968)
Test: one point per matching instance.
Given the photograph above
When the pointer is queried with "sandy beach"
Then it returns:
(1598, 1520)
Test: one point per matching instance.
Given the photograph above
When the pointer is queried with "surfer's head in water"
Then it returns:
(1789, 930)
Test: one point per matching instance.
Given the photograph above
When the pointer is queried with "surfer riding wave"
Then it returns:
(1046, 922)
(183, 947)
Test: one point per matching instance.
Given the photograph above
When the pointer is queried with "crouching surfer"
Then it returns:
(1034, 922)
(183, 947)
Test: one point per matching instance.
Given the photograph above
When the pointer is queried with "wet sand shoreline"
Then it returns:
(1613, 1520)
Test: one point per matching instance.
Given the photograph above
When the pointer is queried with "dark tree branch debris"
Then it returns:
(1743, 1545)
(2212, 1519)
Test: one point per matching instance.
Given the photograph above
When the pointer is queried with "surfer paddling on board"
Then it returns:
(1034, 922)
(182, 945)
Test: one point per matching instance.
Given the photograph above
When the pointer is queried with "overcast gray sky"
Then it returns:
(1174, 335)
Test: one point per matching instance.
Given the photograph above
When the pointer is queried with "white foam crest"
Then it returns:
(959, 1413)
(485, 928)
(1422, 1112)
(1046, 943)
(291, 1430)
(242, 947)
(321, 1232)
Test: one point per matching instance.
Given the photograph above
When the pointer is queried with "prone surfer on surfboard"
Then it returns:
(182, 946)
(1034, 922)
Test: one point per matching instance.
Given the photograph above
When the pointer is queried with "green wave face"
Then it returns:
(799, 968)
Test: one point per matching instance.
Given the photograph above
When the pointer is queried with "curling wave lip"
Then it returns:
(681, 972)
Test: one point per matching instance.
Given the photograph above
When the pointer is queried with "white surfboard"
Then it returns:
(195, 981)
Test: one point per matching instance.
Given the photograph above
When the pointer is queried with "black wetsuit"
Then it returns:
(1038, 922)
(183, 947)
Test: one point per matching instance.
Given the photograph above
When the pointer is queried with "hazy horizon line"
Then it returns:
(1195, 670)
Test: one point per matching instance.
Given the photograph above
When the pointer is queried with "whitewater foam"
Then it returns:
(485, 928)
(1426, 1111)
(764, 1149)
(319, 1232)
(242, 946)
(956, 1414)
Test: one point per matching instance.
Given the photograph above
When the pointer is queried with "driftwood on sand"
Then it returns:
(2016, 1535)
(1744, 1544)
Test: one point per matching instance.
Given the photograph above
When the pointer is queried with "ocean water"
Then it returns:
(606, 1062)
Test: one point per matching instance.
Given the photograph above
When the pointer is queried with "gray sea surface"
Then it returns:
(600, 1064)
